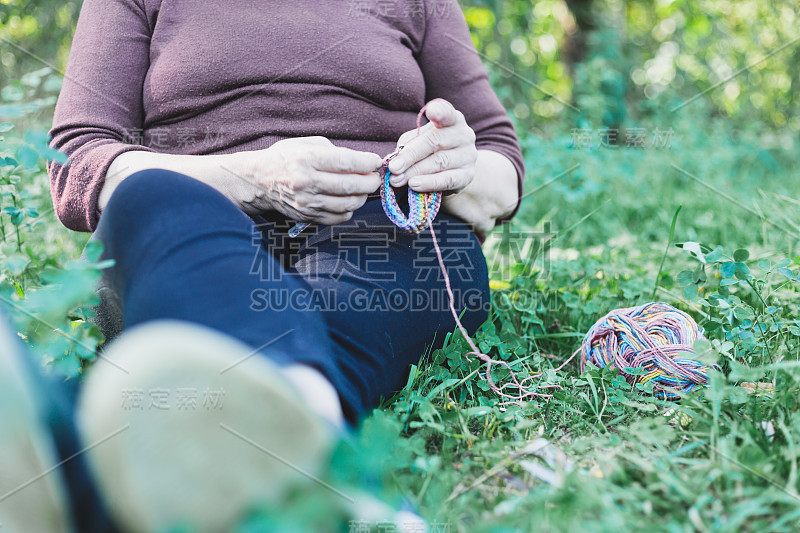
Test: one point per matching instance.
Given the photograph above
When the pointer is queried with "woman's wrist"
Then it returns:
(230, 174)
(240, 180)
(467, 206)
(492, 194)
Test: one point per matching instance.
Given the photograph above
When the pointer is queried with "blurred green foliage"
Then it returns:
(611, 59)
(44, 289)
(565, 62)
(35, 33)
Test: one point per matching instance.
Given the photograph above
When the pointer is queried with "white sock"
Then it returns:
(317, 392)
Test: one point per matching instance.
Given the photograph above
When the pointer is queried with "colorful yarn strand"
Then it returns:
(423, 208)
(656, 340)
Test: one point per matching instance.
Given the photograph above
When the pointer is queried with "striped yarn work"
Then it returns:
(422, 207)
(656, 340)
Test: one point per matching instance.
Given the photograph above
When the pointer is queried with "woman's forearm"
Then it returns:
(214, 170)
(306, 178)
(492, 194)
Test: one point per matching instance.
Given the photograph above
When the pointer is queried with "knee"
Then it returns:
(142, 202)
(146, 197)
(147, 190)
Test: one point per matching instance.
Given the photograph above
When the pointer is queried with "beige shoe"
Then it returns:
(32, 492)
(199, 429)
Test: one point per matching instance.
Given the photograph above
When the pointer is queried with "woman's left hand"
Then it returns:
(442, 157)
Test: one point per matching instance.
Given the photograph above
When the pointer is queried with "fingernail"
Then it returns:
(395, 165)
(414, 183)
(397, 179)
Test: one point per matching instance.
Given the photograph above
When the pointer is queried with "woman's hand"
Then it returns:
(442, 157)
(307, 179)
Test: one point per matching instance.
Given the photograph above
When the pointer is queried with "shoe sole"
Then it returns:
(195, 431)
(32, 495)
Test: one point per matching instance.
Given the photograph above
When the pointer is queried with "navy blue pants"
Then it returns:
(359, 302)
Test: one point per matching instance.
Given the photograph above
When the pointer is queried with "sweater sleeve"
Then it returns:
(99, 108)
(453, 71)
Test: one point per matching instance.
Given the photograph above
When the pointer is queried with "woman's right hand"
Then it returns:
(308, 179)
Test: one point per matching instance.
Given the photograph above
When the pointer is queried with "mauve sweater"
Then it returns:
(209, 77)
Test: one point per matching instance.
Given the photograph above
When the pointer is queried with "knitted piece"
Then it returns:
(422, 207)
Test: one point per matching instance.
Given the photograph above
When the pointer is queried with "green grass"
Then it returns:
(721, 459)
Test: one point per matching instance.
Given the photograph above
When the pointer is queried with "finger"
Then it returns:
(339, 204)
(320, 207)
(345, 160)
(318, 140)
(333, 184)
(425, 144)
(449, 180)
(441, 112)
(331, 219)
(398, 180)
(407, 136)
(410, 134)
(436, 162)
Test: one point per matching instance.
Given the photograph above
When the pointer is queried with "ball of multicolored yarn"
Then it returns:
(655, 339)
(422, 207)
